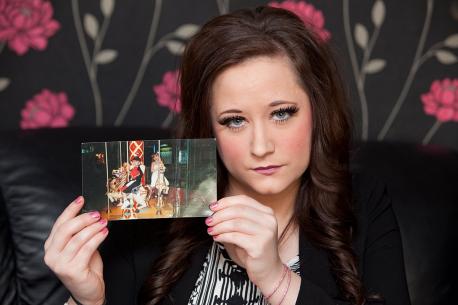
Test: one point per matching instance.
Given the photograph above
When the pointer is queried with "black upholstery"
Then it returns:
(40, 173)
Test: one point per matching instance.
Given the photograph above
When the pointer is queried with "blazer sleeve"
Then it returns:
(383, 260)
(380, 252)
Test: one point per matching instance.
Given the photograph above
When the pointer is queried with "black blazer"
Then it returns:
(132, 246)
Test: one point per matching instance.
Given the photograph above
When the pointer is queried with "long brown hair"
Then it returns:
(323, 209)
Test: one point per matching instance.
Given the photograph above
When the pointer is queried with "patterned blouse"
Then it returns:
(222, 282)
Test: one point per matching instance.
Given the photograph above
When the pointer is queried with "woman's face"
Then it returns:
(262, 121)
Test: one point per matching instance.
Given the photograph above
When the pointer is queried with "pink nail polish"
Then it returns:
(213, 205)
(102, 222)
(94, 214)
(209, 229)
(104, 230)
(208, 220)
(78, 200)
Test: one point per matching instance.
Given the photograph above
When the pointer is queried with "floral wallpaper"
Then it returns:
(114, 63)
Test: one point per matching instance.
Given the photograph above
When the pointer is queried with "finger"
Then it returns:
(69, 212)
(242, 212)
(239, 239)
(243, 226)
(66, 230)
(79, 239)
(86, 252)
(239, 199)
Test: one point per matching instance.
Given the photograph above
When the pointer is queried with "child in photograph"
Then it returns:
(292, 224)
(136, 172)
(131, 190)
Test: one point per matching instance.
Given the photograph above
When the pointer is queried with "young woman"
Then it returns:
(292, 225)
(158, 179)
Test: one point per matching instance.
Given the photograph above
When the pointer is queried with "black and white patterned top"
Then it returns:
(222, 282)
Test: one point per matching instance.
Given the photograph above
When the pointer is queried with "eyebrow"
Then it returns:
(273, 104)
(276, 103)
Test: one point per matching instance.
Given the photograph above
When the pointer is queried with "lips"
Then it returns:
(267, 170)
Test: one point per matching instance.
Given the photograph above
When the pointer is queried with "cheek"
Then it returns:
(297, 142)
(229, 148)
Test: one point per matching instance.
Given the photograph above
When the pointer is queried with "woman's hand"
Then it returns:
(71, 253)
(249, 232)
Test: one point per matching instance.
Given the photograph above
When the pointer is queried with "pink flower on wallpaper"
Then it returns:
(47, 109)
(26, 24)
(311, 16)
(168, 92)
(442, 100)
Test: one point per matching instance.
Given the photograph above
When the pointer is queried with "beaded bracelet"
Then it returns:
(287, 287)
(285, 269)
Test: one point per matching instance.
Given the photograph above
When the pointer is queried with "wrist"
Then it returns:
(73, 301)
(271, 281)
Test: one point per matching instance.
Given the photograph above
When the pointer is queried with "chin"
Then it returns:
(262, 185)
(269, 187)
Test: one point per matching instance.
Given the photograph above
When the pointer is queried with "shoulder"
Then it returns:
(370, 195)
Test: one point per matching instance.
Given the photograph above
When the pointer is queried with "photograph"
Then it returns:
(149, 178)
(228, 152)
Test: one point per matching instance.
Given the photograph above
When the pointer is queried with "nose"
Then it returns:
(261, 143)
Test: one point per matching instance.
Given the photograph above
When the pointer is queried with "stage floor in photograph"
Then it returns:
(116, 213)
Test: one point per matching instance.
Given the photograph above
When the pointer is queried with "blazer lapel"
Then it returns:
(314, 265)
(181, 291)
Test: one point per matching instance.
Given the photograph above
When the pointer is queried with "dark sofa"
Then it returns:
(40, 173)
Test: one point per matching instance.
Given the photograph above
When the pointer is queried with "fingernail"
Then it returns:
(102, 222)
(209, 229)
(95, 214)
(78, 200)
(213, 205)
(208, 220)
(104, 230)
